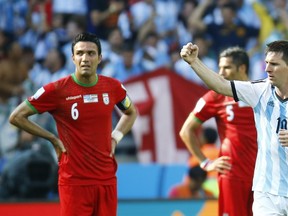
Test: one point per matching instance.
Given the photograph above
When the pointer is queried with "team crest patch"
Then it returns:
(91, 98)
(105, 98)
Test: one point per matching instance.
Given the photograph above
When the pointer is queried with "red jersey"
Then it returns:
(83, 116)
(236, 129)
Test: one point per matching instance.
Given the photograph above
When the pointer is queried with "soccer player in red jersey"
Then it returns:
(82, 105)
(237, 133)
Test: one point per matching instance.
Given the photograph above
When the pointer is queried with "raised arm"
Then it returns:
(214, 81)
(196, 18)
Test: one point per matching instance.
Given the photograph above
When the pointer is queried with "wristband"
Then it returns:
(117, 135)
(204, 163)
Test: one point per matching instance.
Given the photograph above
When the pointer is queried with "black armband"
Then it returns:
(124, 104)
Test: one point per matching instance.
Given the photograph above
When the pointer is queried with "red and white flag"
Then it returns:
(164, 99)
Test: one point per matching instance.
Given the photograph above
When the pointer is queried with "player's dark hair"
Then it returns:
(87, 36)
(239, 56)
(279, 46)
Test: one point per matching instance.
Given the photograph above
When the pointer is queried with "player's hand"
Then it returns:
(221, 165)
(58, 147)
(113, 147)
(189, 52)
(283, 137)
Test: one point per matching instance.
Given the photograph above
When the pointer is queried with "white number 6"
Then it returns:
(74, 111)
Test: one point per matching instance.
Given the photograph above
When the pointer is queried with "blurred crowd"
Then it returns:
(137, 36)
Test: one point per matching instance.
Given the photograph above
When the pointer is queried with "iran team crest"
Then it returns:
(105, 98)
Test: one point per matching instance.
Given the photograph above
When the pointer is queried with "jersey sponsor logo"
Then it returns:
(105, 98)
(38, 93)
(271, 103)
(74, 97)
(91, 98)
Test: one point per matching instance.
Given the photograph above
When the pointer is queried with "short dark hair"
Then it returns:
(279, 46)
(87, 36)
(239, 56)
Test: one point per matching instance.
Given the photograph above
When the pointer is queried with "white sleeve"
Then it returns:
(248, 92)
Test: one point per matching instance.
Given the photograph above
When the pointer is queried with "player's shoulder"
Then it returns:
(212, 95)
(62, 81)
(109, 82)
(262, 81)
(103, 78)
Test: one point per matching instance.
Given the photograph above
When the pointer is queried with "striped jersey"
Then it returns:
(83, 115)
(271, 115)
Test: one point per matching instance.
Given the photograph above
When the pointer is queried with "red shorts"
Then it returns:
(88, 200)
(235, 197)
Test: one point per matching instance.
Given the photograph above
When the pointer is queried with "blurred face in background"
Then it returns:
(280, 4)
(228, 69)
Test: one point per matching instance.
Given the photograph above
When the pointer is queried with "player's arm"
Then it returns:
(125, 123)
(214, 81)
(20, 118)
(127, 119)
(188, 134)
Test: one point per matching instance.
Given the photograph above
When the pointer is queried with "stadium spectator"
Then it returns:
(192, 186)
(74, 26)
(180, 67)
(152, 53)
(126, 67)
(231, 32)
(104, 16)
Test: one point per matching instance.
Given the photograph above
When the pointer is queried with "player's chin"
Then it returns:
(86, 72)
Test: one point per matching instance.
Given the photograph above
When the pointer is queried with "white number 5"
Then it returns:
(74, 111)
(230, 113)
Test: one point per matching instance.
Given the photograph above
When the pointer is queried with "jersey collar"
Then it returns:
(83, 84)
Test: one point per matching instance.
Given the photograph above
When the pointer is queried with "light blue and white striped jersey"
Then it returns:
(271, 115)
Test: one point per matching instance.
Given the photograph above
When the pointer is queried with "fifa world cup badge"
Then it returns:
(105, 98)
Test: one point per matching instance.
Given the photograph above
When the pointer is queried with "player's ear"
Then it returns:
(99, 59)
(243, 68)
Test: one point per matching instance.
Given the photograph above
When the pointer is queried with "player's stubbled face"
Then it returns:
(86, 58)
(227, 68)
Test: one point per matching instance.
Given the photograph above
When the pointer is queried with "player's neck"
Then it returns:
(86, 80)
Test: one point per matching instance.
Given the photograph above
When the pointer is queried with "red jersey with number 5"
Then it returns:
(236, 129)
(83, 116)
